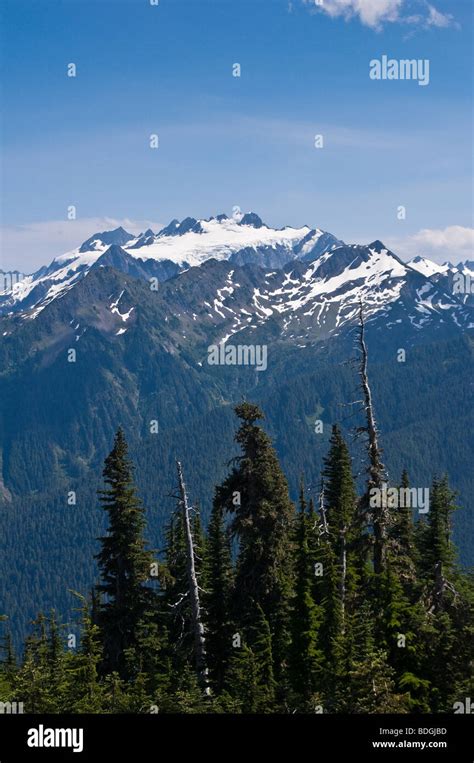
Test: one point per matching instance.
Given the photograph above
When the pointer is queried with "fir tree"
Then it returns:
(85, 691)
(8, 662)
(217, 600)
(175, 599)
(306, 657)
(251, 679)
(33, 685)
(439, 553)
(123, 561)
(370, 682)
(341, 504)
(256, 494)
(404, 527)
(8, 667)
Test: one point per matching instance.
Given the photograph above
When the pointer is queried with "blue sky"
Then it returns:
(225, 140)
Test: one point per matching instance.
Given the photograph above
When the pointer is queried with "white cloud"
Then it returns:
(26, 247)
(375, 13)
(454, 243)
(437, 19)
(371, 12)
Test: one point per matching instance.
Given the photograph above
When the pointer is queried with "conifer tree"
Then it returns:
(56, 660)
(306, 657)
(85, 691)
(33, 684)
(370, 682)
(435, 550)
(256, 494)
(260, 638)
(403, 525)
(340, 553)
(123, 561)
(251, 679)
(341, 508)
(8, 662)
(217, 599)
(439, 550)
(8, 667)
(175, 599)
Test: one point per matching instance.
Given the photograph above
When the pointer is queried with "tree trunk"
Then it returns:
(197, 624)
(323, 527)
(342, 585)
(376, 468)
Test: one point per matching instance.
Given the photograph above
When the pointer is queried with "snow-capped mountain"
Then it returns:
(302, 304)
(225, 276)
(455, 279)
(309, 301)
(178, 246)
(428, 267)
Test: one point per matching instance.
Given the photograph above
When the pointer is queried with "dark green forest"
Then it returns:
(48, 545)
(343, 604)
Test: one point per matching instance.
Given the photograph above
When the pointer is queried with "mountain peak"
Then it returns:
(176, 228)
(377, 246)
(117, 236)
(251, 218)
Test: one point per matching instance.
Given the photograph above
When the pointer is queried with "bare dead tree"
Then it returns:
(376, 469)
(196, 613)
(323, 527)
(441, 586)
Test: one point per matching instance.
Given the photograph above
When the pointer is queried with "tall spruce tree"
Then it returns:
(256, 494)
(217, 598)
(306, 657)
(124, 563)
(436, 554)
(341, 511)
(439, 553)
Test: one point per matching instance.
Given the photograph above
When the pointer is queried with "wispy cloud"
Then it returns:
(454, 243)
(441, 20)
(27, 247)
(376, 13)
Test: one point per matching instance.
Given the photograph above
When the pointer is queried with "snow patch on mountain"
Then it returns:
(427, 267)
